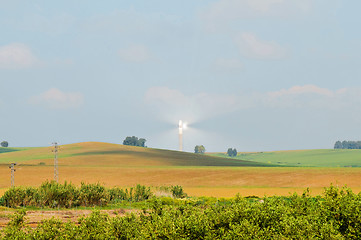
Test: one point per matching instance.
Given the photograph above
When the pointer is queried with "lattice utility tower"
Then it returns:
(56, 170)
(12, 167)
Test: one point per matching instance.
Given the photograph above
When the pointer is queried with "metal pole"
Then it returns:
(56, 171)
(12, 168)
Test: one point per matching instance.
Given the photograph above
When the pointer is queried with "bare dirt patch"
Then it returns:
(34, 217)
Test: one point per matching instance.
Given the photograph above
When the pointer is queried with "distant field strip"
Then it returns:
(305, 158)
(7, 149)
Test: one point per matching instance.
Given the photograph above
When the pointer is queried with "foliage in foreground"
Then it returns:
(67, 195)
(335, 215)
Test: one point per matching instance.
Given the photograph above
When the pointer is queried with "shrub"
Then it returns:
(14, 197)
(177, 192)
(53, 194)
(93, 195)
(116, 194)
(335, 215)
(141, 193)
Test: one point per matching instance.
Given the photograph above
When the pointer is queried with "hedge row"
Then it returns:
(53, 194)
(334, 215)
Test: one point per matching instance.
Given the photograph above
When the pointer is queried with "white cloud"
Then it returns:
(135, 53)
(16, 56)
(173, 104)
(251, 46)
(228, 64)
(297, 90)
(56, 99)
(312, 96)
(176, 105)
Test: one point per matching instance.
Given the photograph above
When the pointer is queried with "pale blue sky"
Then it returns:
(256, 75)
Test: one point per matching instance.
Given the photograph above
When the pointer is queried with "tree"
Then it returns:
(141, 142)
(232, 152)
(199, 149)
(338, 145)
(4, 144)
(347, 145)
(344, 144)
(134, 141)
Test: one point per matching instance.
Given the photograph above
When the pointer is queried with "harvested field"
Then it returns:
(207, 181)
(125, 166)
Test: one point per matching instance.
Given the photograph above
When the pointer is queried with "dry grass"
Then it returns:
(207, 181)
(124, 166)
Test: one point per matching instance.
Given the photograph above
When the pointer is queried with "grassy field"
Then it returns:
(305, 158)
(7, 149)
(125, 166)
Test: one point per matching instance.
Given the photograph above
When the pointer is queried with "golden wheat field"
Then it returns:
(200, 175)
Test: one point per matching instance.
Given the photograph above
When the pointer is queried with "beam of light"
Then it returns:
(180, 126)
(180, 135)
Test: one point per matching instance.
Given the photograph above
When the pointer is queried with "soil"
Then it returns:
(34, 217)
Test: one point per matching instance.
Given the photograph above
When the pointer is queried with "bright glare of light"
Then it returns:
(180, 124)
(185, 125)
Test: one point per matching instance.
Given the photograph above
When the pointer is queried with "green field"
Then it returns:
(7, 149)
(305, 158)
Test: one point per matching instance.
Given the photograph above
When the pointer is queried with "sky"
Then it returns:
(255, 75)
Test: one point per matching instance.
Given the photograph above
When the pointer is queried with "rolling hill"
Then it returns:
(97, 153)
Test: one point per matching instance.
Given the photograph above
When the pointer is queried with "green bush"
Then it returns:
(177, 192)
(141, 193)
(16, 228)
(117, 194)
(334, 215)
(93, 195)
(54, 195)
(15, 197)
